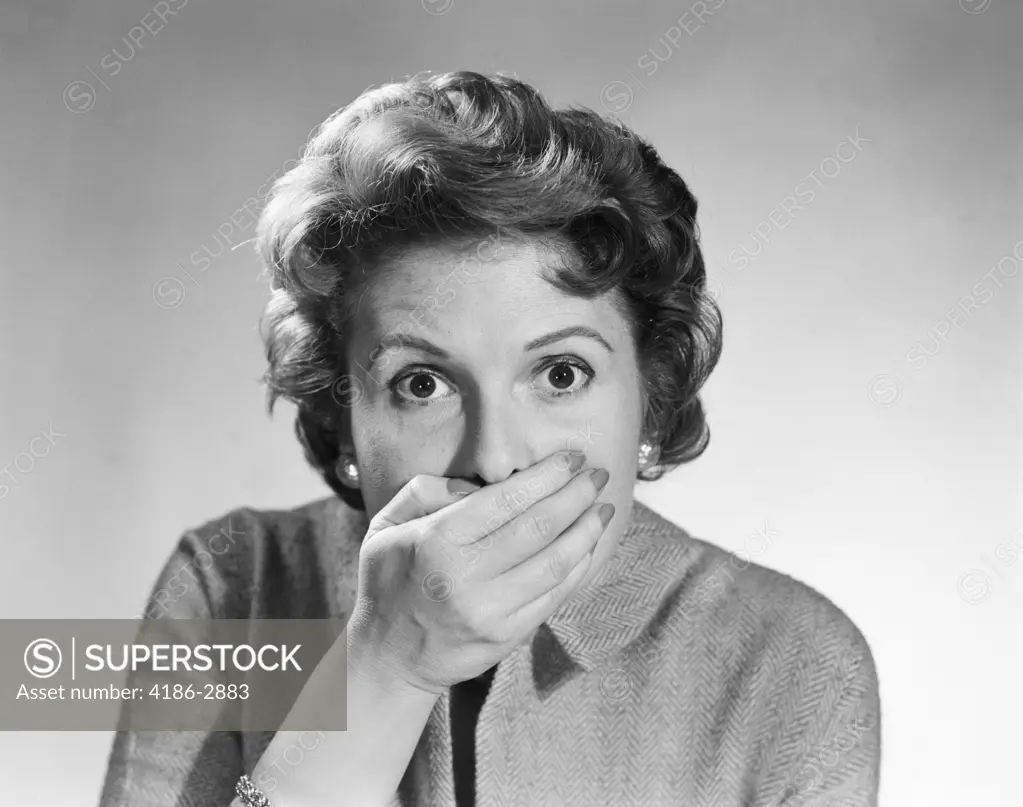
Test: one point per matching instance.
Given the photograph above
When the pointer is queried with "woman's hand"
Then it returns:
(449, 585)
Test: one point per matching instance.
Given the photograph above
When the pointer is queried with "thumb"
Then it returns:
(421, 496)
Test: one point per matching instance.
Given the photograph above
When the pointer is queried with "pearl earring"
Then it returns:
(348, 471)
(647, 454)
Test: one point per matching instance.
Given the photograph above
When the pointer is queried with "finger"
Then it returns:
(421, 496)
(535, 613)
(532, 615)
(492, 507)
(535, 529)
(531, 583)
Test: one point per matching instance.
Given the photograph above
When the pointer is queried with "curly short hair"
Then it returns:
(443, 157)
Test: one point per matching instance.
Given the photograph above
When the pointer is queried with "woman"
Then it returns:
(491, 316)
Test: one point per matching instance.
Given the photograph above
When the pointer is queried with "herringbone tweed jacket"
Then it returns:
(683, 675)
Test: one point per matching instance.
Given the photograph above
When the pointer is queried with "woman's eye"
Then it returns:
(420, 387)
(564, 377)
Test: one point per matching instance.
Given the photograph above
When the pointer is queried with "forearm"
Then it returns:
(364, 764)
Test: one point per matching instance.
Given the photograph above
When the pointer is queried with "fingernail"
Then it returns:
(599, 477)
(606, 513)
(461, 487)
(575, 460)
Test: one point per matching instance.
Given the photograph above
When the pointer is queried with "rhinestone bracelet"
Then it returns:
(251, 795)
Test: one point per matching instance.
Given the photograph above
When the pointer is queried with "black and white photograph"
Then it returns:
(460, 403)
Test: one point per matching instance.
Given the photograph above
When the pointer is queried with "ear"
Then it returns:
(645, 428)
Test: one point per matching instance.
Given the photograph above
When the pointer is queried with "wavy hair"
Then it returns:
(446, 157)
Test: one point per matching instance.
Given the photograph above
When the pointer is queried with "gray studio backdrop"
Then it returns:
(858, 168)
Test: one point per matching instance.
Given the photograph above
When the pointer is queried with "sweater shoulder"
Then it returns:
(256, 563)
(760, 615)
(792, 611)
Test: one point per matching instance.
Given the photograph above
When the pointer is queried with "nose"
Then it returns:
(498, 438)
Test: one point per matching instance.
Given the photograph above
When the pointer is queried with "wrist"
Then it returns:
(368, 669)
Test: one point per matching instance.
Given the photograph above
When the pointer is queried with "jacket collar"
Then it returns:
(619, 603)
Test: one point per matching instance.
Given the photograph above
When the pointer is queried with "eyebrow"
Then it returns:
(397, 341)
(565, 333)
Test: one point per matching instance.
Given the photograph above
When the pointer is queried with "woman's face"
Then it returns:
(463, 366)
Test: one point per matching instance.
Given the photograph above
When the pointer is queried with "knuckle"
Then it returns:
(539, 527)
(498, 512)
(494, 628)
(490, 623)
(501, 634)
(529, 529)
(507, 502)
(416, 490)
(552, 600)
(558, 566)
(376, 524)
